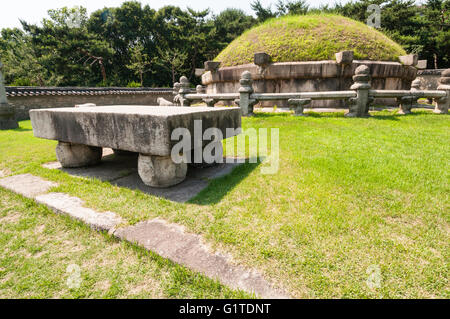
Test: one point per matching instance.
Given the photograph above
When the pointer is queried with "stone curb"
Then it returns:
(167, 240)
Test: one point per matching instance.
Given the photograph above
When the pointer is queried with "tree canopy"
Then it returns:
(136, 45)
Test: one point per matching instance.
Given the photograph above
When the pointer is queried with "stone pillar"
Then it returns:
(176, 88)
(161, 171)
(444, 85)
(359, 106)
(176, 92)
(299, 105)
(7, 115)
(245, 101)
(77, 155)
(184, 90)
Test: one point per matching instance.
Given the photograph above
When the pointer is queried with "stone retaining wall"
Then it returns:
(25, 99)
(316, 76)
(429, 78)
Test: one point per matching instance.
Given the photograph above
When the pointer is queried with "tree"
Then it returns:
(292, 7)
(173, 61)
(261, 12)
(230, 24)
(76, 52)
(22, 65)
(140, 62)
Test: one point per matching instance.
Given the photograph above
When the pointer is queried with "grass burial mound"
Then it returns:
(312, 37)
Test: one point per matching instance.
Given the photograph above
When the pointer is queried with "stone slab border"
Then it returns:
(170, 241)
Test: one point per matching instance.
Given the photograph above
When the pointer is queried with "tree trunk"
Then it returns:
(102, 67)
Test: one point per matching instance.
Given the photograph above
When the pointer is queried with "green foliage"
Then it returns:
(134, 85)
(140, 62)
(310, 37)
(133, 42)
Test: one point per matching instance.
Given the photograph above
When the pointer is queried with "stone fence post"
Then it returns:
(444, 85)
(184, 90)
(359, 106)
(245, 101)
(7, 115)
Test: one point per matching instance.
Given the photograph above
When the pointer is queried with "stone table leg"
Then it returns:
(76, 155)
(160, 171)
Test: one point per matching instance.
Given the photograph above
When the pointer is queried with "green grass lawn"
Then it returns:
(37, 247)
(351, 194)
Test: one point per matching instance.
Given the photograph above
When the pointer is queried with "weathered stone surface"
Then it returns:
(262, 59)
(314, 76)
(359, 106)
(212, 65)
(163, 102)
(27, 185)
(172, 242)
(7, 114)
(443, 104)
(344, 57)
(422, 64)
(76, 155)
(138, 129)
(410, 59)
(73, 206)
(86, 105)
(160, 171)
(299, 105)
(199, 72)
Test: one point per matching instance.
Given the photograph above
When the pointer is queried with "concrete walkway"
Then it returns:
(170, 241)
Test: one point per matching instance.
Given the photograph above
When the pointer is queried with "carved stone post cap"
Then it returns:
(212, 65)
(362, 70)
(416, 84)
(199, 89)
(444, 80)
(445, 73)
(422, 64)
(410, 59)
(184, 80)
(345, 57)
(246, 75)
(262, 59)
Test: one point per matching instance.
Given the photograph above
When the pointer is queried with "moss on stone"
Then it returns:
(312, 37)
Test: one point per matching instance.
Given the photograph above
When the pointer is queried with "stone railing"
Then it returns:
(358, 98)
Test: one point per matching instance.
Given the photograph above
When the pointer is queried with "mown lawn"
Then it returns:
(351, 195)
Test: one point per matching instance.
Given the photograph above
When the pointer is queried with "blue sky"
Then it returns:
(34, 10)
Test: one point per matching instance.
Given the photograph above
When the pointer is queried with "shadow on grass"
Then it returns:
(220, 187)
(396, 117)
(21, 129)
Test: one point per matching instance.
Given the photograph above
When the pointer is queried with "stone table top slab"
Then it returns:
(137, 128)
